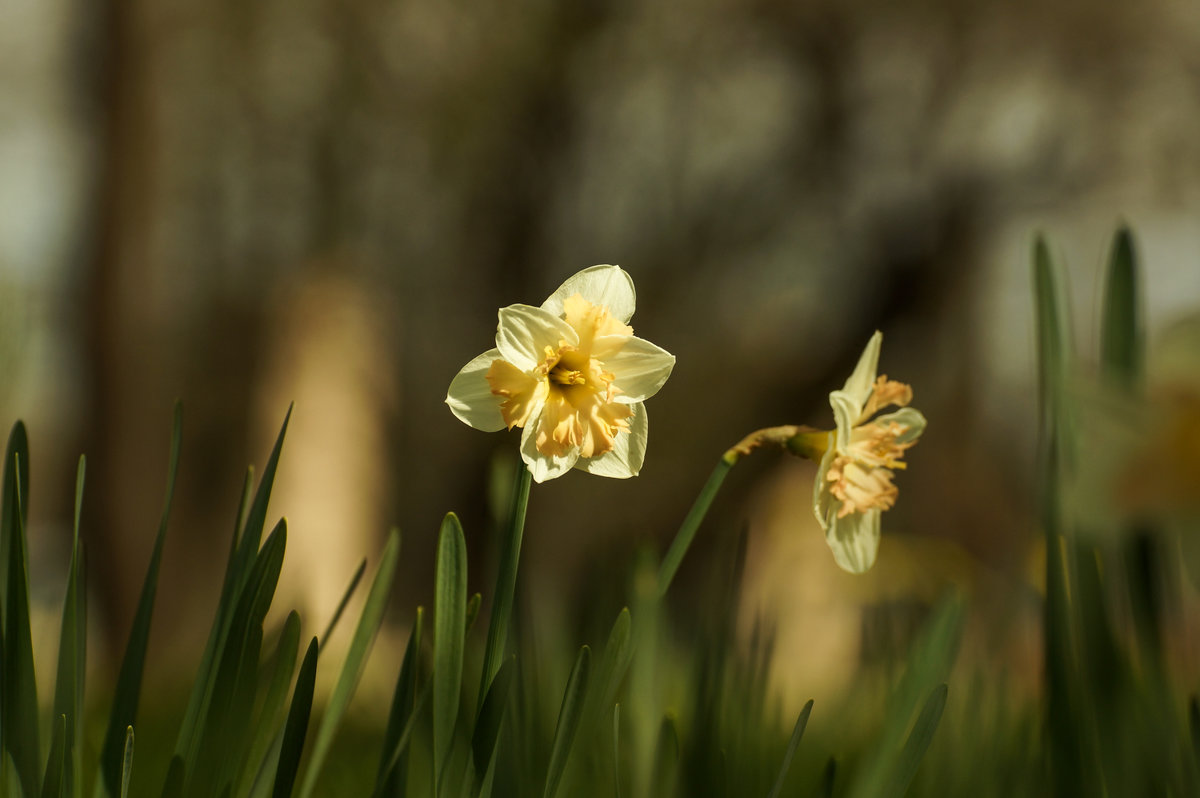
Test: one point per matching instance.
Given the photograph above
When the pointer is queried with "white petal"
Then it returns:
(470, 396)
(541, 466)
(861, 381)
(628, 452)
(854, 540)
(606, 285)
(906, 417)
(822, 499)
(845, 412)
(525, 331)
(639, 368)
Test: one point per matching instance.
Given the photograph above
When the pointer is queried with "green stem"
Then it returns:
(695, 516)
(506, 582)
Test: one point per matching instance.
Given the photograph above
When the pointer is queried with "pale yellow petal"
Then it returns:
(854, 540)
(845, 413)
(470, 396)
(822, 499)
(592, 321)
(859, 385)
(524, 333)
(639, 369)
(541, 466)
(605, 285)
(628, 452)
(519, 392)
(908, 417)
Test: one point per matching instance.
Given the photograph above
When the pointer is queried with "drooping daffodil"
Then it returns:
(857, 458)
(571, 375)
(854, 483)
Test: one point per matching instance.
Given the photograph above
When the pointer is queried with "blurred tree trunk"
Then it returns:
(116, 261)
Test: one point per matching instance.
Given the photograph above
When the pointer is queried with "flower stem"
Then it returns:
(506, 582)
(695, 516)
(801, 441)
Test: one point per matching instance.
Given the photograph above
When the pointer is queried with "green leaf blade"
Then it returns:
(127, 763)
(18, 683)
(506, 581)
(491, 716)
(1122, 337)
(568, 721)
(129, 680)
(917, 743)
(793, 744)
(393, 764)
(449, 624)
(364, 636)
(296, 728)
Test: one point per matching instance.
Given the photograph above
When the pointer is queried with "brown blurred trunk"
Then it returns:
(116, 260)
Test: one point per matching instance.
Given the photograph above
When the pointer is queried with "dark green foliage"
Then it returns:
(297, 725)
(129, 681)
(19, 705)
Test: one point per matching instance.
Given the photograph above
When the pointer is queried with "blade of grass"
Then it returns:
(793, 744)
(917, 743)
(666, 759)
(828, 778)
(506, 583)
(568, 721)
(390, 778)
(256, 519)
(129, 680)
(605, 682)
(1059, 643)
(173, 783)
(402, 740)
(616, 749)
(197, 708)
(243, 553)
(449, 624)
(287, 650)
(18, 444)
(127, 762)
(618, 652)
(341, 607)
(360, 645)
(929, 663)
(18, 681)
(1122, 339)
(488, 724)
(473, 604)
(72, 652)
(228, 713)
(691, 523)
(296, 728)
(54, 784)
(1122, 359)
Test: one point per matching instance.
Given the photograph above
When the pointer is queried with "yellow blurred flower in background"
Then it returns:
(572, 375)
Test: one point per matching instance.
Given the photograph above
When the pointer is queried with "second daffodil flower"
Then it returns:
(854, 483)
(571, 375)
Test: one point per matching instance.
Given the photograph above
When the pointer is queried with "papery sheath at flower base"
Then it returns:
(571, 375)
(854, 482)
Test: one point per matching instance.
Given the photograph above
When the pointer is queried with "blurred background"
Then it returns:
(325, 201)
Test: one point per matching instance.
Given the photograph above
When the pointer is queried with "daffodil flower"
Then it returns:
(858, 458)
(571, 375)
